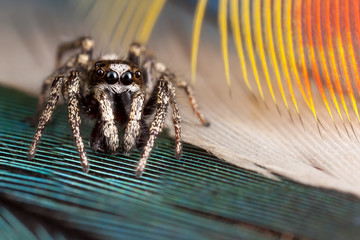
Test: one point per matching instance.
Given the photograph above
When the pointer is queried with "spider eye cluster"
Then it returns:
(112, 76)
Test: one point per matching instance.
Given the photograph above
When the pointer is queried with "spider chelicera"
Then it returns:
(113, 91)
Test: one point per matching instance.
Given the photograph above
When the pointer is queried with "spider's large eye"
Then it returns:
(126, 78)
(111, 77)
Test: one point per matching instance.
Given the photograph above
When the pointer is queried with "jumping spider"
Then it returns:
(113, 90)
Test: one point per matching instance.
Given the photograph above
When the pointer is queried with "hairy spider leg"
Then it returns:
(134, 53)
(160, 67)
(86, 45)
(55, 91)
(136, 50)
(190, 93)
(177, 122)
(109, 133)
(73, 89)
(132, 130)
(148, 66)
(157, 124)
(149, 109)
(47, 83)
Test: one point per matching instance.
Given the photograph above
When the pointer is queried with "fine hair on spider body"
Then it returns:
(131, 92)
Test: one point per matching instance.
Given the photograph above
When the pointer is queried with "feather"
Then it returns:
(179, 197)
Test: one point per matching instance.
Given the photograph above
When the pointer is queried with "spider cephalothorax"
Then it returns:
(113, 91)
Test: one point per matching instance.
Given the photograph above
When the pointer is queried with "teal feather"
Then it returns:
(196, 197)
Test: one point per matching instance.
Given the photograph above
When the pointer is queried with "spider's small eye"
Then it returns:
(126, 78)
(100, 72)
(137, 74)
(111, 77)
